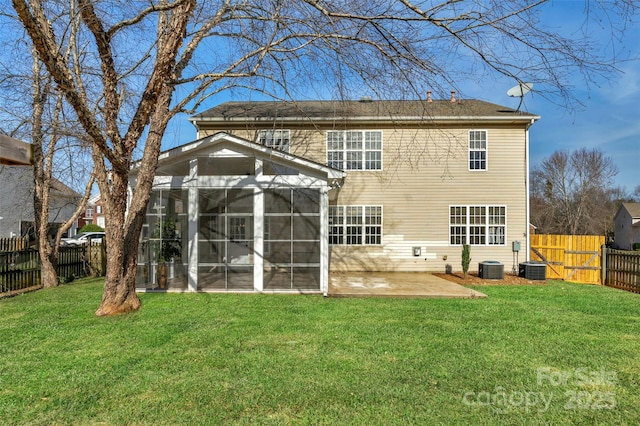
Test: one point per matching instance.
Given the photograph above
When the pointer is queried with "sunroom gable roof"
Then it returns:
(223, 140)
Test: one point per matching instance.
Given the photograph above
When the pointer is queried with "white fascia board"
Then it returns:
(376, 119)
(167, 182)
(249, 181)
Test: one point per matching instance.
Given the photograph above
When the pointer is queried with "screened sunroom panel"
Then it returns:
(306, 227)
(277, 227)
(279, 252)
(277, 201)
(306, 200)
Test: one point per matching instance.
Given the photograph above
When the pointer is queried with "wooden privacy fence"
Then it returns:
(622, 269)
(20, 270)
(576, 258)
(13, 244)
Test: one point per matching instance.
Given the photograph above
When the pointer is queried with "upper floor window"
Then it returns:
(354, 149)
(89, 212)
(477, 150)
(276, 139)
(98, 209)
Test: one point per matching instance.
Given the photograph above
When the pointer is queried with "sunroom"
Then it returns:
(230, 215)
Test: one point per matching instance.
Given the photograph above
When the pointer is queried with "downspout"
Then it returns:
(527, 189)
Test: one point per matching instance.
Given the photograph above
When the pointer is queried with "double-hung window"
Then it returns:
(477, 225)
(355, 225)
(276, 139)
(477, 150)
(354, 149)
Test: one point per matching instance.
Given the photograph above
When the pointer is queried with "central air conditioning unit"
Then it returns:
(533, 270)
(491, 270)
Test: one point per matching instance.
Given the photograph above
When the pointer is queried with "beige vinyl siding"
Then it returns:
(309, 144)
(424, 172)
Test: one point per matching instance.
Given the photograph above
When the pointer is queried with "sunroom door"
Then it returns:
(225, 239)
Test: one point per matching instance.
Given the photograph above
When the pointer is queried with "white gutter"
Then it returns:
(513, 118)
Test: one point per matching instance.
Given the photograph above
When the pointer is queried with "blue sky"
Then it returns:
(608, 120)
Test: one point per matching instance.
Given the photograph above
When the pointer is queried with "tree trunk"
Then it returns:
(48, 272)
(124, 223)
(119, 294)
(48, 254)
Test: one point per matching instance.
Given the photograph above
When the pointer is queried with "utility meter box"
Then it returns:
(515, 246)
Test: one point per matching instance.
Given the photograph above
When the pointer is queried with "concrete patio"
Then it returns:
(396, 284)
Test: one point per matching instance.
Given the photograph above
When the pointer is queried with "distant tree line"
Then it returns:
(573, 193)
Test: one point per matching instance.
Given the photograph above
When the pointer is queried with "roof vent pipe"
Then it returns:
(453, 96)
(428, 95)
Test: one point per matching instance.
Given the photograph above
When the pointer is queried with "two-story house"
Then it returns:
(93, 212)
(273, 194)
(627, 226)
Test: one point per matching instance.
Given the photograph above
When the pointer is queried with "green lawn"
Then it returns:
(555, 354)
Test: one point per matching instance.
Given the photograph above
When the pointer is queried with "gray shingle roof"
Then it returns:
(364, 109)
(633, 209)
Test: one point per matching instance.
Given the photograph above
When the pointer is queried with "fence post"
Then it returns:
(603, 264)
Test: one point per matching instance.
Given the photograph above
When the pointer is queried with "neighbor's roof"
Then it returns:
(632, 208)
(63, 189)
(15, 152)
(362, 110)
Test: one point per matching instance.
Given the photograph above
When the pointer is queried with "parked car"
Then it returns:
(82, 239)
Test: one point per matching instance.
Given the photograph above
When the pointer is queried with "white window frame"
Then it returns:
(478, 225)
(355, 150)
(359, 225)
(478, 150)
(279, 139)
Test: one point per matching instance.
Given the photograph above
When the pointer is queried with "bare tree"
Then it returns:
(58, 151)
(123, 96)
(573, 193)
(45, 140)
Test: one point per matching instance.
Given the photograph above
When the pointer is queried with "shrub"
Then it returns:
(466, 258)
(636, 246)
(91, 227)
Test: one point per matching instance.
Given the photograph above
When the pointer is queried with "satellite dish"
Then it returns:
(519, 91)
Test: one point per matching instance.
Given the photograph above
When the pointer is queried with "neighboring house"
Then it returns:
(16, 202)
(627, 226)
(94, 213)
(272, 194)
